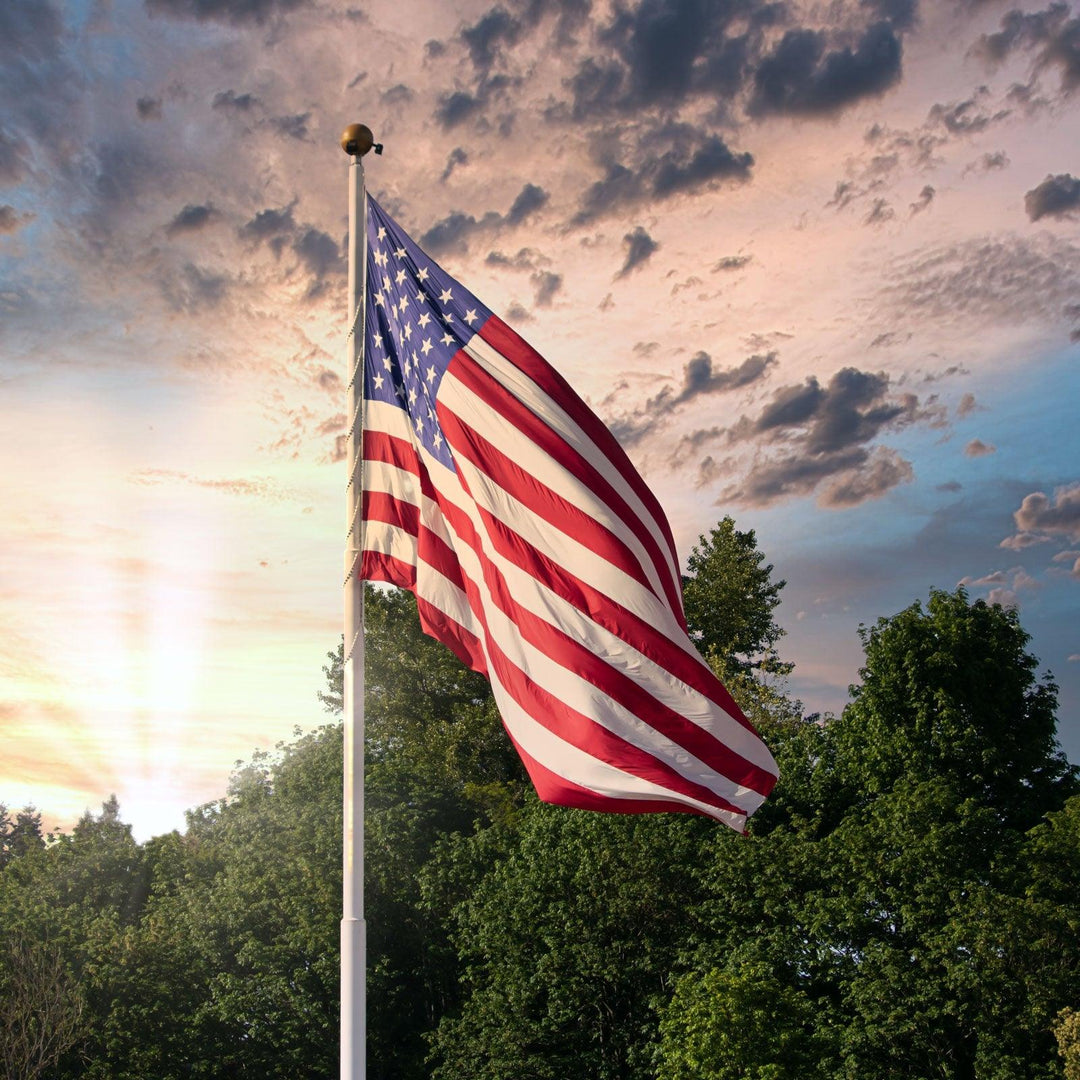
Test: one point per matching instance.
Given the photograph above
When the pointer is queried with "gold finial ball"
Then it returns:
(357, 140)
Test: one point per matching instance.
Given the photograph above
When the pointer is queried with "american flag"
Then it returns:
(536, 552)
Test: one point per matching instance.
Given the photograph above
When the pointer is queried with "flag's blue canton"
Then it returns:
(417, 319)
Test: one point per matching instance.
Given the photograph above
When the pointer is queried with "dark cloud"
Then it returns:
(712, 160)
(320, 254)
(191, 218)
(525, 259)
(965, 117)
(823, 432)
(882, 471)
(456, 108)
(547, 284)
(1057, 196)
(902, 14)
(699, 378)
(292, 127)
(880, 212)
(530, 199)
(989, 163)
(1060, 516)
(802, 77)
(433, 49)
(231, 101)
(977, 448)
(192, 288)
(457, 157)
(671, 160)
(926, 197)
(11, 220)
(398, 95)
(1054, 37)
(456, 228)
(273, 227)
(148, 108)
(967, 405)
(235, 12)
(731, 262)
(12, 158)
(485, 37)
(639, 248)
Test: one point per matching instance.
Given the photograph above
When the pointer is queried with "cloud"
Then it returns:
(1007, 280)
(1057, 196)
(260, 487)
(882, 471)
(639, 249)
(671, 160)
(11, 220)
(455, 229)
(317, 252)
(803, 77)
(1054, 37)
(234, 12)
(1060, 516)
(30, 29)
(149, 108)
(977, 448)
(455, 108)
(967, 405)
(191, 219)
(1023, 540)
(699, 378)
(926, 197)
(231, 101)
(457, 157)
(879, 213)
(547, 284)
(12, 158)
(731, 262)
(291, 127)
(192, 289)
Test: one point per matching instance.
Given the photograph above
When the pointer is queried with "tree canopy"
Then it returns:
(906, 904)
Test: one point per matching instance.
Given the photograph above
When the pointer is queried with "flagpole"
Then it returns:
(356, 141)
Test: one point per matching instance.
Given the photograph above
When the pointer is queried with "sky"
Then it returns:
(816, 264)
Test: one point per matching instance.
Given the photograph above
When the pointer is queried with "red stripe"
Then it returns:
(621, 688)
(467, 443)
(502, 400)
(393, 450)
(523, 356)
(378, 566)
(556, 789)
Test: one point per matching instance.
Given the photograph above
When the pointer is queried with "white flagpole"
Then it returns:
(356, 141)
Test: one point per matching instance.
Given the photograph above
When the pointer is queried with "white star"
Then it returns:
(425, 319)
(386, 283)
(407, 331)
(431, 374)
(379, 380)
(470, 316)
(446, 297)
(380, 257)
(420, 297)
(400, 276)
(378, 341)
(400, 252)
(382, 233)
(447, 338)
(386, 363)
(422, 273)
(403, 303)
(448, 318)
(379, 299)
(426, 347)
(412, 397)
(420, 427)
(399, 390)
(438, 439)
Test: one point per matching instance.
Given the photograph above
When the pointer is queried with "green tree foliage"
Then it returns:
(905, 906)
(729, 598)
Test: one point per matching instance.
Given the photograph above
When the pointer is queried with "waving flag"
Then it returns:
(537, 553)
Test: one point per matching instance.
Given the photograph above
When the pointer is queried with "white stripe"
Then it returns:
(646, 672)
(534, 460)
(575, 765)
(532, 396)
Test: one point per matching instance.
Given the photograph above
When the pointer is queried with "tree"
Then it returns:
(729, 598)
(952, 691)
(41, 1009)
